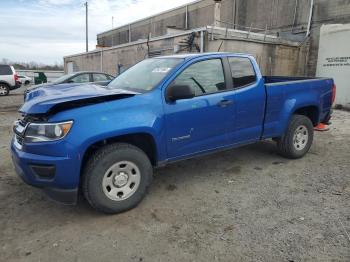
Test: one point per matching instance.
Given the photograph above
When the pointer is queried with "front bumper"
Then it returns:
(62, 182)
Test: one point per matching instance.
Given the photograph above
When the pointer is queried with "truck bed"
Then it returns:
(284, 79)
(284, 95)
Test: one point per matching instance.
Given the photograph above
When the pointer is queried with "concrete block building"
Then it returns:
(283, 35)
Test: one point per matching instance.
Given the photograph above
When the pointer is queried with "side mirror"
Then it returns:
(177, 92)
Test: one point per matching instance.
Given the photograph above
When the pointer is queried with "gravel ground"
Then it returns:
(13, 101)
(246, 204)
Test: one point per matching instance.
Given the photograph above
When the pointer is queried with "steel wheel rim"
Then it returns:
(3, 90)
(300, 137)
(121, 180)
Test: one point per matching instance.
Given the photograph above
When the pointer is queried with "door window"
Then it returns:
(242, 70)
(203, 77)
(100, 77)
(82, 78)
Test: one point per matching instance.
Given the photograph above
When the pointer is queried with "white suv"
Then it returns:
(8, 80)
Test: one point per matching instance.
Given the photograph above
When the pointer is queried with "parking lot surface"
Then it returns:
(13, 101)
(246, 204)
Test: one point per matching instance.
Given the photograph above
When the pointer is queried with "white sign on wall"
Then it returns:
(334, 59)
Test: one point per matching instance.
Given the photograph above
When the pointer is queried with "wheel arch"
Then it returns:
(142, 140)
(310, 111)
(4, 82)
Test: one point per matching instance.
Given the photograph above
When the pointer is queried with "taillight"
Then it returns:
(334, 91)
(16, 77)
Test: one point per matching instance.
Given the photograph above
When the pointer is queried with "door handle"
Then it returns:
(225, 102)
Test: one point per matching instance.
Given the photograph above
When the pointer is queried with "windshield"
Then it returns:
(62, 78)
(145, 75)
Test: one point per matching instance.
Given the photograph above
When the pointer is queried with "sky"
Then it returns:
(46, 30)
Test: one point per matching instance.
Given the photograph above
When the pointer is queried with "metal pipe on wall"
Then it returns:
(202, 42)
(310, 18)
(101, 60)
(86, 27)
(234, 9)
(186, 17)
(295, 14)
(217, 12)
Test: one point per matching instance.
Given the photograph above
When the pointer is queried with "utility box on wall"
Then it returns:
(334, 59)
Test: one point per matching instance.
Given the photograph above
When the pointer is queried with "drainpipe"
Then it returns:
(151, 25)
(310, 18)
(217, 13)
(129, 33)
(202, 42)
(186, 18)
(295, 14)
(234, 13)
(101, 60)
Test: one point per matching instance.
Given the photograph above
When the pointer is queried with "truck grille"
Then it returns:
(20, 126)
(22, 121)
(19, 140)
(19, 130)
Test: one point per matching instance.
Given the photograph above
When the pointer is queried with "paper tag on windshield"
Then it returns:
(161, 70)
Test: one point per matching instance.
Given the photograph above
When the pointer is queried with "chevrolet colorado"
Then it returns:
(105, 141)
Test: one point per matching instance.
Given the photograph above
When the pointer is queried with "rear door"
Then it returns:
(201, 123)
(101, 79)
(249, 100)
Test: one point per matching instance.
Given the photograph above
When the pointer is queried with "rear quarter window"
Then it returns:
(242, 70)
(5, 70)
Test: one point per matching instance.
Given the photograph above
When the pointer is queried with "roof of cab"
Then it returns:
(193, 55)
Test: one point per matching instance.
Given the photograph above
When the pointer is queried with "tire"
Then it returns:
(297, 140)
(4, 89)
(115, 179)
(26, 82)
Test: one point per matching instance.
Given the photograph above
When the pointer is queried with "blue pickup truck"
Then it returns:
(105, 141)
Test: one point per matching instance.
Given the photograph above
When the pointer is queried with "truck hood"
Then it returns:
(52, 99)
(35, 87)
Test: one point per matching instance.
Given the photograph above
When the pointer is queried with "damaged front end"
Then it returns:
(51, 100)
(42, 155)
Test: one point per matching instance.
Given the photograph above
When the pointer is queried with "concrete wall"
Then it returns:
(287, 17)
(261, 13)
(278, 60)
(107, 59)
(200, 14)
(274, 57)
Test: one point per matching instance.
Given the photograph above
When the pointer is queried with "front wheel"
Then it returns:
(297, 140)
(116, 178)
(4, 90)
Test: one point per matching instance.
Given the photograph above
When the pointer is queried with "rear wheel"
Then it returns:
(116, 178)
(4, 89)
(297, 140)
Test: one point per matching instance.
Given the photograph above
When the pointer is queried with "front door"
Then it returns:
(201, 123)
